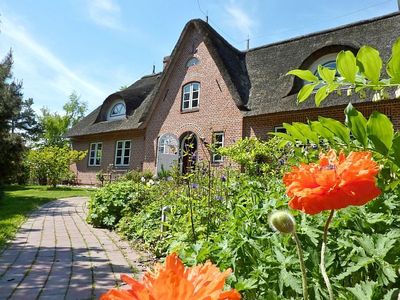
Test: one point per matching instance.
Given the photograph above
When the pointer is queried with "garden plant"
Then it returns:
(332, 187)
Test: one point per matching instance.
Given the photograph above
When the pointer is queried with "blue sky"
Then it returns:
(96, 46)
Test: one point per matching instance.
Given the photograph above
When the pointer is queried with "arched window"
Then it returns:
(190, 96)
(328, 61)
(117, 111)
(192, 62)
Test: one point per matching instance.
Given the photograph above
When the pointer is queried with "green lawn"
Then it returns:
(17, 201)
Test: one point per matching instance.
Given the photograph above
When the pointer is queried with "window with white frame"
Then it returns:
(118, 110)
(95, 154)
(122, 153)
(280, 129)
(218, 142)
(191, 96)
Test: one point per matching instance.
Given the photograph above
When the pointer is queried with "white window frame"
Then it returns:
(191, 99)
(218, 145)
(94, 154)
(277, 128)
(117, 116)
(122, 156)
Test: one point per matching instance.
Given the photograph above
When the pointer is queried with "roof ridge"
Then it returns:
(324, 31)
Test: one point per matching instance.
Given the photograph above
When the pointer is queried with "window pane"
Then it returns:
(97, 161)
(119, 152)
(92, 146)
(186, 89)
(185, 104)
(92, 153)
(91, 161)
(99, 146)
(119, 145)
(126, 160)
(186, 97)
(217, 157)
(195, 103)
(126, 152)
(195, 95)
(118, 161)
(195, 86)
(127, 144)
(218, 138)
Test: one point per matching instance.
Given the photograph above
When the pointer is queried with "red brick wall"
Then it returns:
(217, 110)
(259, 126)
(87, 174)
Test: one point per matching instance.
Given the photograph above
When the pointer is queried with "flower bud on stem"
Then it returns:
(284, 222)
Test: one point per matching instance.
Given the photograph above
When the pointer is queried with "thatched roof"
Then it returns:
(255, 78)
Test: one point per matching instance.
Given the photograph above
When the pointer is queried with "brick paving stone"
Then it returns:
(57, 255)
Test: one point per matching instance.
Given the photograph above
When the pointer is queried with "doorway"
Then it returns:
(188, 152)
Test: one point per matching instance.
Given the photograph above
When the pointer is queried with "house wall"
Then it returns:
(259, 126)
(87, 174)
(217, 110)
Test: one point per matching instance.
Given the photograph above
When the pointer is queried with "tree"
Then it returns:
(56, 125)
(17, 121)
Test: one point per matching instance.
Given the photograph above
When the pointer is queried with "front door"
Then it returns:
(188, 154)
(167, 152)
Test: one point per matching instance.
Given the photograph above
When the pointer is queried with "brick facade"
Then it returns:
(87, 174)
(259, 126)
(217, 110)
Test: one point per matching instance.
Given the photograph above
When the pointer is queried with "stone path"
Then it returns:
(57, 255)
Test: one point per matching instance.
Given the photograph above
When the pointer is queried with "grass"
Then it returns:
(16, 202)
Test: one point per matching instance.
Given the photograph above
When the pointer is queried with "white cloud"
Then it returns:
(46, 77)
(239, 19)
(105, 13)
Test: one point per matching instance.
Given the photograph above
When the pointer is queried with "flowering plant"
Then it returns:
(174, 281)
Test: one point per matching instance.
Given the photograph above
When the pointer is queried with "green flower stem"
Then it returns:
(323, 249)
(302, 265)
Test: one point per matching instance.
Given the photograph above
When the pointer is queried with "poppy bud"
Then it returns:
(282, 221)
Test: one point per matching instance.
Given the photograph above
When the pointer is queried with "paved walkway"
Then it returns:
(57, 255)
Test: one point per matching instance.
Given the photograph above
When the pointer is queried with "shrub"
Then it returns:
(52, 164)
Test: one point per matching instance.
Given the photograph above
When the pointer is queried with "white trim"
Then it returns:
(95, 152)
(322, 60)
(276, 128)
(119, 116)
(122, 156)
(221, 144)
(190, 100)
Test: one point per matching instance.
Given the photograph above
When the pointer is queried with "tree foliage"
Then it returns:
(18, 122)
(51, 164)
(56, 125)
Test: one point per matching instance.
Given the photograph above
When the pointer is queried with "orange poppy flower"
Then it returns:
(333, 183)
(176, 282)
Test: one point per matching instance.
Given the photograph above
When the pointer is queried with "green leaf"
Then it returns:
(357, 124)
(306, 131)
(305, 92)
(364, 290)
(346, 65)
(327, 74)
(393, 65)
(321, 94)
(294, 132)
(321, 130)
(396, 150)
(380, 132)
(371, 63)
(304, 74)
(338, 129)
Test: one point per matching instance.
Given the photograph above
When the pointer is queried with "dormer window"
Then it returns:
(327, 61)
(191, 96)
(192, 62)
(117, 111)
